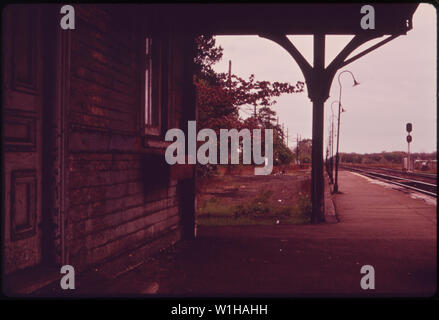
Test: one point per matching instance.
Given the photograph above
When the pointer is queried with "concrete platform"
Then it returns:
(392, 230)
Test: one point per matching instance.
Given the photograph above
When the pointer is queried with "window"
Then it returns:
(148, 81)
(152, 110)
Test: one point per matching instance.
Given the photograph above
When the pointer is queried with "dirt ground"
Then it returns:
(221, 197)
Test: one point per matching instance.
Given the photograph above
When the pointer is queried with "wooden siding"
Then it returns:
(116, 202)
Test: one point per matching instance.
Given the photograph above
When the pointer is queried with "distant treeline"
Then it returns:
(384, 157)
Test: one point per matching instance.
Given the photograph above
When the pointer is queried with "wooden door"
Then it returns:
(22, 144)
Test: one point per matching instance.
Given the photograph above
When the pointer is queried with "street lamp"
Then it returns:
(332, 123)
(338, 127)
(332, 141)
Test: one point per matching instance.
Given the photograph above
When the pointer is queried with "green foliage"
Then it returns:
(220, 96)
(213, 206)
(282, 154)
(259, 205)
(207, 54)
(394, 157)
(304, 206)
(304, 150)
(259, 210)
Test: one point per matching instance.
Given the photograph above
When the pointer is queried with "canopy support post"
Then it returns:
(318, 81)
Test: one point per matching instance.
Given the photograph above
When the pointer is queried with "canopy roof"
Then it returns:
(340, 18)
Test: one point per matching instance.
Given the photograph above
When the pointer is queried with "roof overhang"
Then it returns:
(313, 18)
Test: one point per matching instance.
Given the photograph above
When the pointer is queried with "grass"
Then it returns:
(214, 207)
(257, 211)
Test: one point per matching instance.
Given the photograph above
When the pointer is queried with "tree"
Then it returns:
(220, 96)
(305, 150)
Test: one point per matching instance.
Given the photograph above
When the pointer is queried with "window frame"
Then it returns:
(154, 62)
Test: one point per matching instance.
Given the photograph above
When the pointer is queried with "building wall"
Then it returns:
(120, 195)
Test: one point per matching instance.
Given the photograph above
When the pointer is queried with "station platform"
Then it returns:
(379, 225)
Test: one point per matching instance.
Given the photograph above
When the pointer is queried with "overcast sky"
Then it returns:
(398, 85)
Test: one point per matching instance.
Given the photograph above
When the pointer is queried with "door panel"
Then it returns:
(22, 114)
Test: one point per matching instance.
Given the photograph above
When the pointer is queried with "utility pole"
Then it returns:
(332, 142)
(287, 137)
(283, 133)
(297, 148)
(230, 70)
(331, 139)
(229, 80)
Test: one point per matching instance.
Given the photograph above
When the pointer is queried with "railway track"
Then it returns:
(428, 177)
(421, 176)
(429, 188)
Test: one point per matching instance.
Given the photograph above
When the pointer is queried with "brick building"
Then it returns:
(84, 116)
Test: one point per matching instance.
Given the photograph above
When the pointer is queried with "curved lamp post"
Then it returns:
(332, 141)
(338, 127)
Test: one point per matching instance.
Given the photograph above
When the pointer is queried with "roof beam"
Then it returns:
(283, 41)
(355, 42)
(376, 46)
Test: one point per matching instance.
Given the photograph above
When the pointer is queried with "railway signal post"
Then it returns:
(409, 128)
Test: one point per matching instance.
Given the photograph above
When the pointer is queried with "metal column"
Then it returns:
(318, 80)
(318, 99)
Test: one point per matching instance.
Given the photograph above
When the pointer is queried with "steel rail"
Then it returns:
(415, 174)
(389, 179)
